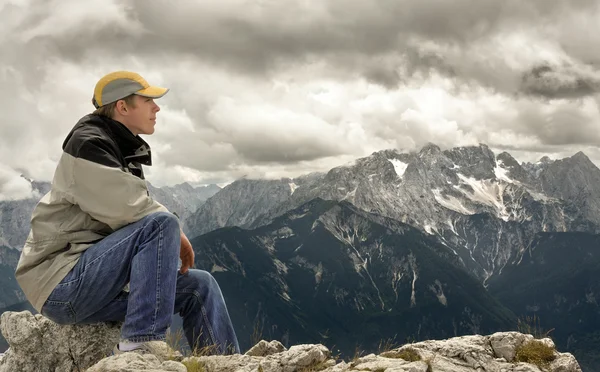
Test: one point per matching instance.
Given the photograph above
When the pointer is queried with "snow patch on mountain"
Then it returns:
(413, 298)
(399, 166)
(502, 173)
(451, 203)
(485, 192)
(293, 187)
(216, 268)
(318, 273)
(430, 228)
(350, 195)
(437, 289)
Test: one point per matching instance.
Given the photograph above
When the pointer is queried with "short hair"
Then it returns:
(109, 109)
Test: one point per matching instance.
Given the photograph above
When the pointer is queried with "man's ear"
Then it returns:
(121, 107)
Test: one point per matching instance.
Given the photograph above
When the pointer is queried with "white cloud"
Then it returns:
(257, 90)
(13, 186)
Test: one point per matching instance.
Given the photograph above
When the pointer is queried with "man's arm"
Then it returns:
(186, 254)
(96, 183)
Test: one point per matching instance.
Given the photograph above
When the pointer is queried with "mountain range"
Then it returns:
(329, 271)
(434, 242)
(486, 208)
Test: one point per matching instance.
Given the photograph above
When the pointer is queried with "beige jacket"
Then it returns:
(98, 187)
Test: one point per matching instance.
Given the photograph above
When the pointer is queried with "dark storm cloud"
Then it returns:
(561, 82)
(256, 38)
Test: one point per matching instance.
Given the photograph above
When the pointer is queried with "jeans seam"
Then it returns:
(210, 330)
(72, 311)
(66, 284)
(160, 225)
(158, 265)
(205, 316)
(146, 338)
(62, 303)
(111, 249)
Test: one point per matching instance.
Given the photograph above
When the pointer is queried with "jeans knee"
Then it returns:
(166, 220)
(204, 282)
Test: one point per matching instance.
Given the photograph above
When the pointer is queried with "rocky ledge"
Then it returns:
(38, 344)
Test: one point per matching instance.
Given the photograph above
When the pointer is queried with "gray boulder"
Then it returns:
(38, 344)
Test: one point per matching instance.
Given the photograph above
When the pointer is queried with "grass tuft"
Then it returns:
(535, 352)
(408, 354)
(194, 365)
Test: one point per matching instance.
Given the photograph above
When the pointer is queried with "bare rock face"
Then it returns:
(134, 362)
(38, 344)
(264, 348)
(470, 353)
(297, 358)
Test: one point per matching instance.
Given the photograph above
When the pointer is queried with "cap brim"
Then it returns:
(152, 92)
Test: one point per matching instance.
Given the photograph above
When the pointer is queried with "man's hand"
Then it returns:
(186, 254)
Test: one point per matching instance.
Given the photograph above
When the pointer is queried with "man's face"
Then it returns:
(141, 116)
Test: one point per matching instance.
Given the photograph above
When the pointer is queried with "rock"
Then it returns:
(264, 348)
(162, 351)
(505, 344)
(565, 362)
(473, 353)
(134, 362)
(298, 357)
(374, 362)
(38, 344)
(304, 356)
(241, 363)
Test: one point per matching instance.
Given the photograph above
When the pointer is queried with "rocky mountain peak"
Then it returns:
(508, 169)
(477, 162)
(429, 149)
(581, 159)
(507, 159)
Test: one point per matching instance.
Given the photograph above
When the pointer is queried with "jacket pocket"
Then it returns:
(59, 312)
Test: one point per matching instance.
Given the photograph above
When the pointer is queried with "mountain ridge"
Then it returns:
(442, 192)
(328, 267)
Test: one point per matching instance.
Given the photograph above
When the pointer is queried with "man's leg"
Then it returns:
(144, 254)
(200, 303)
(206, 321)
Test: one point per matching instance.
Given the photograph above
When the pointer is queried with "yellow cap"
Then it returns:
(120, 84)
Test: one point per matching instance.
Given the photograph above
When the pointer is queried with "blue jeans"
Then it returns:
(144, 254)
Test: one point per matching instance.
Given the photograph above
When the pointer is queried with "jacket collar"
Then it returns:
(133, 147)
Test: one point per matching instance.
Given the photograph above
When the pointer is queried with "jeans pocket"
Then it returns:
(59, 312)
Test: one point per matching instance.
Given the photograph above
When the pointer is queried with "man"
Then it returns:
(98, 230)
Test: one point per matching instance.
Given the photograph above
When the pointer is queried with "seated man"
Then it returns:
(98, 230)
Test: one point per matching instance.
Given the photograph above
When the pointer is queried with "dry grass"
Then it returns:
(204, 351)
(194, 365)
(387, 345)
(410, 355)
(535, 352)
(175, 342)
(531, 325)
(358, 352)
(314, 367)
(429, 362)
(257, 332)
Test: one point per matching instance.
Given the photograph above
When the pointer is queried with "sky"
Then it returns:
(281, 88)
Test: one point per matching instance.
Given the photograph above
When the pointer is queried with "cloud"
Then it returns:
(13, 186)
(285, 87)
(562, 81)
